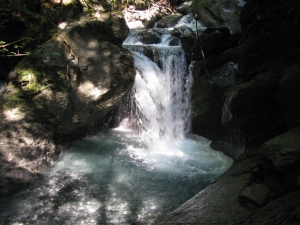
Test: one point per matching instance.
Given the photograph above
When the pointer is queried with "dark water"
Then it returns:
(111, 179)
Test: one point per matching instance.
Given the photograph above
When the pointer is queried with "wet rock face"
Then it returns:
(263, 45)
(62, 90)
(252, 111)
(213, 76)
(219, 13)
(259, 107)
(169, 21)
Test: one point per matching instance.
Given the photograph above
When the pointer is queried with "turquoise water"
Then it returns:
(111, 178)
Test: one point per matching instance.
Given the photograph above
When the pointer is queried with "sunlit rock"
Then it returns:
(61, 90)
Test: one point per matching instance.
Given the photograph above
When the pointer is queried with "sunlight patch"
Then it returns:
(62, 25)
(14, 114)
(90, 91)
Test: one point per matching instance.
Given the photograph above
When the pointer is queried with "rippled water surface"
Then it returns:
(111, 179)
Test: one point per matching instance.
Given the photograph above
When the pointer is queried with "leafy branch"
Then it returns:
(3, 48)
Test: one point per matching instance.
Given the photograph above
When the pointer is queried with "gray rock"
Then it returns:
(218, 203)
(283, 150)
(208, 91)
(169, 21)
(58, 93)
(256, 194)
(218, 13)
(184, 9)
(175, 41)
(252, 111)
(150, 37)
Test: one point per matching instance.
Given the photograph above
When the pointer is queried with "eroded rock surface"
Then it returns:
(260, 108)
(60, 92)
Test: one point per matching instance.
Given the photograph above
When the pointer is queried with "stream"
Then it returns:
(138, 172)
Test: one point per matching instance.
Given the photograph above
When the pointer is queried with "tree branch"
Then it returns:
(3, 46)
(14, 55)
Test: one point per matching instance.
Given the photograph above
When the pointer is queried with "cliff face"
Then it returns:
(262, 186)
(59, 93)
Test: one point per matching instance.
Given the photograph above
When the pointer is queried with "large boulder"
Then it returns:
(265, 102)
(251, 110)
(256, 194)
(169, 21)
(263, 46)
(60, 91)
(219, 13)
(283, 151)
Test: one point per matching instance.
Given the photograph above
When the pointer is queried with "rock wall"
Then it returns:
(214, 72)
(60, 92)
(262, 186)
(265, 102)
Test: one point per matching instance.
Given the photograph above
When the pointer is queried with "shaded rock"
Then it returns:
(169, 21)
(184, 8)
(150, 37)
(62, 90)
(219, 13)
(218, 203)
(273, 107)
(289, 181)
(187, 44)
(183, 31)
(298, 179)
(13, 179)
(281, 211)
(150, 23)
(284, 150)
(175, 41)
(214, 41)
(252, 111)
(288, 96)
(272, 179)
(208, 91)
(256, 194)
(259, 49)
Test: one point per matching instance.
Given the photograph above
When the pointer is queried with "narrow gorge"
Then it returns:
(157, 112)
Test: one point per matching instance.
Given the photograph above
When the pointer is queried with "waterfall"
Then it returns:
(161, 96)
(125, 177)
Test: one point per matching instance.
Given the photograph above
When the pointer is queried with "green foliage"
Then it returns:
(33, 88)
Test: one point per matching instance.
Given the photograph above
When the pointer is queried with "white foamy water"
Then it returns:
(162, 91)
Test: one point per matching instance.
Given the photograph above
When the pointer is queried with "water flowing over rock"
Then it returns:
(161, 92)
(61, 90)
(118, 176)
(259, 108)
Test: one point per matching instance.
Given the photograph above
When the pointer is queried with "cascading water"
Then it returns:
(161, 95)
(129, 177)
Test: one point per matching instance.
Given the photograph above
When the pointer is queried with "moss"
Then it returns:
(13, 101)
(33, 88)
